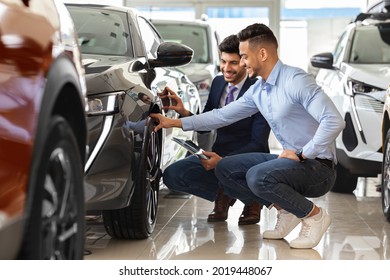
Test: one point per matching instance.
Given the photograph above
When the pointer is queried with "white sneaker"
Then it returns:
(285, 223)
(312, 230)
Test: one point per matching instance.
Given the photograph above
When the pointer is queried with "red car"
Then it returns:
(42, 132)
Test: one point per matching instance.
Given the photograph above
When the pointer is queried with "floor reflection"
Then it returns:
(358, 231)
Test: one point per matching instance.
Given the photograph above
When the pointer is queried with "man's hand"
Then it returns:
(171, 101)
(210, 163)
(164, 122)
(289, 154)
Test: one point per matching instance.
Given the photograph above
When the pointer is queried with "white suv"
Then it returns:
(385, 184)
(356, 76)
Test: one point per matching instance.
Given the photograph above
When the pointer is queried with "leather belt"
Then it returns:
(327, 162)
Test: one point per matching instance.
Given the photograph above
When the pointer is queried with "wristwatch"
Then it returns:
(299, 155)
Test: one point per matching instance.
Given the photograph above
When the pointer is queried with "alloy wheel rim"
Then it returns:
(59, 209)
(386, 179)
(152, 175)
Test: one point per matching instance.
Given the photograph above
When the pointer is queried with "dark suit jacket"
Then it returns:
(247, 135)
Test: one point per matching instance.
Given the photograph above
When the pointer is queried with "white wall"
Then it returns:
(106, 2)
(299, 40)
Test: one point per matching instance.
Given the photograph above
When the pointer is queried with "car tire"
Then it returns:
(137, 221)
(385, 184)
(345, 181)
(55, 228)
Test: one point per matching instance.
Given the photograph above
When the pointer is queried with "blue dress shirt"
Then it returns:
(299, 113)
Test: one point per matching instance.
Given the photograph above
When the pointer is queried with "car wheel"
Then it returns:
(137, 221)
(385, 186)
(345, 181)
(55, 229)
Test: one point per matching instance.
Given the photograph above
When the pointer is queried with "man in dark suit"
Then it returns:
(195, 176)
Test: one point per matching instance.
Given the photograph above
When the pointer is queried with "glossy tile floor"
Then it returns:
(359, 231)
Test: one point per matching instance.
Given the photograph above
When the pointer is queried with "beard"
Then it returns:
(251, 74)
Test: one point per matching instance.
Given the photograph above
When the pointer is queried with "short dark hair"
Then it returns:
(257, 33)
(230, 45)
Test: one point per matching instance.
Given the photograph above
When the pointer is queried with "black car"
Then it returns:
(127, 64)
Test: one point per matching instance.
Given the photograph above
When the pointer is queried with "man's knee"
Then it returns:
(170, 177)
(222, 167)
(258, 180)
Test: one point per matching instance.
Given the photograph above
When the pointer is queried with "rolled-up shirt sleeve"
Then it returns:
(324, 111)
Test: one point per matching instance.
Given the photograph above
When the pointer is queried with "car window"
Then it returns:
(338, 53)
(151, 39)
(193, 36)
(371, 45)
(101, 32)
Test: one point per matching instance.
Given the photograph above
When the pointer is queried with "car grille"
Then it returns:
(369, 104)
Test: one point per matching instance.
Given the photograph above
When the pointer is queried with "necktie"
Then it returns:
(230, 96)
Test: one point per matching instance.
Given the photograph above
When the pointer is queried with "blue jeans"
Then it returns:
(189, 176)
(268, 180)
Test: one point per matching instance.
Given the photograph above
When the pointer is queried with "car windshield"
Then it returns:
(101, 31)
(370, 45)
(193, 36)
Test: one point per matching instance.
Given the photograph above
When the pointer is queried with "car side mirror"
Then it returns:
(137, 66)
(322, 60)
(172, 54)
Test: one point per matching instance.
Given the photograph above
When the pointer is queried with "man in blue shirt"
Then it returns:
(306, 123)
(247, 135)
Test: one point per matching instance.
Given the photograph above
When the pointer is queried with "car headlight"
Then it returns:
(357, 87)
(103, 104)
(363, 88)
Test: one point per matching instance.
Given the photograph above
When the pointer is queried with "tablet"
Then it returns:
(191, 147)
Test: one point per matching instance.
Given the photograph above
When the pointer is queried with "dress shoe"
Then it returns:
(221, 207)
(250, 214)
